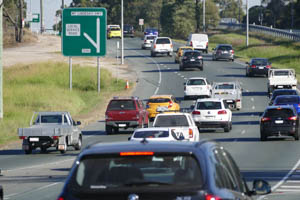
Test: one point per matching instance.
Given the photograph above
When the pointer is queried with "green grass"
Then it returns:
(45, 87)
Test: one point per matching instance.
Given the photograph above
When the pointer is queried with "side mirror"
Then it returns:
(247, 63)
(78, 123)
(261, 187)
(129, 138)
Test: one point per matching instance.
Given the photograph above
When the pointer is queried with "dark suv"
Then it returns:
(125, 112)
(191, 59)
(279, 92)
(279, 121)
(158, 170)
(128, 30)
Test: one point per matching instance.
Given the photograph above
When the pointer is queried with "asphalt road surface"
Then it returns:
(41, 176)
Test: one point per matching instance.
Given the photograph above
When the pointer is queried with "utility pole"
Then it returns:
(1, 66)
(197, 15)
(204, 16)
(20, 21)
(247, 28)
(122, 35)
(42, 15)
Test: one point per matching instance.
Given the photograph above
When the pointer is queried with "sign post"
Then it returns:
(84, 34)
(141, 23)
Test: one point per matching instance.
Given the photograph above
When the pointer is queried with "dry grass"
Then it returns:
(9, 38)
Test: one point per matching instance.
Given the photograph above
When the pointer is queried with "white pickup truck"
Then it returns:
(51, 129)
(281, 79)
(181, 123)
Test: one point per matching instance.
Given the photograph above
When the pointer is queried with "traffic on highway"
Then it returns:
(206, 132)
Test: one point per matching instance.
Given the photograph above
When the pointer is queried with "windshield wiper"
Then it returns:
(143, 183)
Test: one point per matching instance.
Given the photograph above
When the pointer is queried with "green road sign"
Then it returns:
(84, 32)
(35, 18)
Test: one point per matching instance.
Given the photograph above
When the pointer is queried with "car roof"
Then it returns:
(152, 129)
(145, 145)
(284, 90)
(173, 113)
(53, 112)
(187, 47)
(161, 96)
(280, 106)
(222, 83)
(163, 38)
(195, 78)
(287, 96)
(209, 99)
(259, 59)
(191, 50)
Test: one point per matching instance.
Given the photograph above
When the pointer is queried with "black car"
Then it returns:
(279, 121)
(191, 59)
(128, 30)
(258, 66)
(157, 170)
(279, 92)
(224, 52)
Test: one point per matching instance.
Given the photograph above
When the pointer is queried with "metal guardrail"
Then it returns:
(263, 29)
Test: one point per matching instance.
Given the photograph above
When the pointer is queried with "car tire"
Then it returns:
(79, 144)
(108, 130)
(180, 68)
(230, 125)
(227, 128)
(29, 151)
(263, 136)
(43, 149)
(185, 98)
(297, 134)
(232, 60)
(65, 149)
(201, 68)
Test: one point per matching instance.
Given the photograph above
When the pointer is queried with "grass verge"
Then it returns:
(45, 87)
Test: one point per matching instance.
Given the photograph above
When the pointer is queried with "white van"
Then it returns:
(198, 41)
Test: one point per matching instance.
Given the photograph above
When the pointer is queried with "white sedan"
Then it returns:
(197, 87)
(155, 134)
(212, 113)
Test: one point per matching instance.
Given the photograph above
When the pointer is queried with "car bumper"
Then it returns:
(197, 93)
(162, 51)
(212, 124)
(147, 45)
(278, 131)
(259, 71)
(122, 124)
(224, 56)
(192, 64)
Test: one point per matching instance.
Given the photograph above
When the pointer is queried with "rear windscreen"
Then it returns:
(283, 92)
(99, 173)
(225, 87)
(171, 121)
(209, 105)
(281, 73)
(150, 37)
(287, 100)
(284, 112)
(196, 82)
(192, 54)
(225, 48)
(151, 134)
(163, 41)
(159, 100)
(260, 62)
(121, 105)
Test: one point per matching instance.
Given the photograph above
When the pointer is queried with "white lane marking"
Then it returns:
(161, 64)
(287, 190)
(182, 76)
(243, 132)
(253, 107)
(247, 90)
(175, 72)
(290, 186)
(293, 181)
(252, 99)
(169, 68)
(179, 74)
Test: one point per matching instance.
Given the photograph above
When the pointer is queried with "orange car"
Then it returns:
(180, 52)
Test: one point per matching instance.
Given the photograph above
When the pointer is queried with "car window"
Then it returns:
(287, 100)
(121, 105)
(260, 62)
(282, 112)
(196, 82)
(192, 53)
(225, 86)
(171, 121)
(209, 105)
(50, 119)
(151, 134)
(224, 48)
(159, 100)
(163, 41)
(96, 172)
(281, 73)
(150, 37)
(115, 29)
(283, 92)
(225, 104)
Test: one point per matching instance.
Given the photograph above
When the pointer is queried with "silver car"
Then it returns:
(147, 42)
(223, 51)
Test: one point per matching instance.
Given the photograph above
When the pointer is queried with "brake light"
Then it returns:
(293, 118)
(184, 87)
(196, 112)
(145, 153)
(191, 133)
(222, 112)
(23, 137)
(61, 198)
(207, 44)
(268, 66)
(145, 41)
(238, 100)
(253, 66)
(199, 57)
(171, 45)
(212, 197)
(154, 46)
(264, 119)
(191, 43)
(55, 137)
(232, 51)
(170, 104)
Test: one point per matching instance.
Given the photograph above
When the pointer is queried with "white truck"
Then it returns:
(181, 123)
(51, 129)
(281, 79)
(231, 92)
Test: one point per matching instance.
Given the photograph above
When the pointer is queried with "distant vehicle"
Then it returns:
(148, 40)
(231, 92)
(179, 52)
(293, 100)
(125, 112)
(224, 52)
(151, 31)
(112, 26)
(51, 129)
(198, 42)
(114, 32)
(197, 87)
(279, 92)
(281, 79)
(191, 59)
(162, 45)
(182, 124)
(128, 30)
(155, 134)
(258, 66)
(158, 170)
(156, 102)
(212, 113)
(279, 121)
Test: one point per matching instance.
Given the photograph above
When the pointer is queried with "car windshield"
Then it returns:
(121, 105)
(150, 37)
(287, 100)
(171, 121)
(163, 41)
(224, 48)
(151, 134)
(259, 62)
(159, 100)
(279, 112)
(283, 92)
(115, 29)
(196, 82)
(281, 73)
(128, 28)
(225, 87)
(192, 54)
(97, 173)
(209, 105)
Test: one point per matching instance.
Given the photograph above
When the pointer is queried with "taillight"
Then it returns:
(207, 44)
(23, 137)
(154, 46)
(268, 66)
(238, 100)
(61, 198)
(264, 119)
(137, 153)
(222, 112)
(199, 57)
(191, 43)
(170, 104)
(145, 41)
(232, 51)
(253, 66)
(55, 137)
(195, 112)
(212, 197)
(293, 118)
(171, 45)
(184, 87)
(191, 133)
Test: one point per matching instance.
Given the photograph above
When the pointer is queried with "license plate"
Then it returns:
(192, 59)
(278, 121)
(210, 117)
(280, 86)
(122, 125)
(34, 139)
(225, 52)
(230, 101)
(261, 68)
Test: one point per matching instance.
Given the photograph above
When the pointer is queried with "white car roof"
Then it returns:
(196, 78)
(173, 113)
(209, 99)
(152, 129)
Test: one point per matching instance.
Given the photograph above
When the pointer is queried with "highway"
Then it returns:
(41, 176)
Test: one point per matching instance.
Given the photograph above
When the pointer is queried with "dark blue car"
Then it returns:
(151, 31)
(288, 100)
